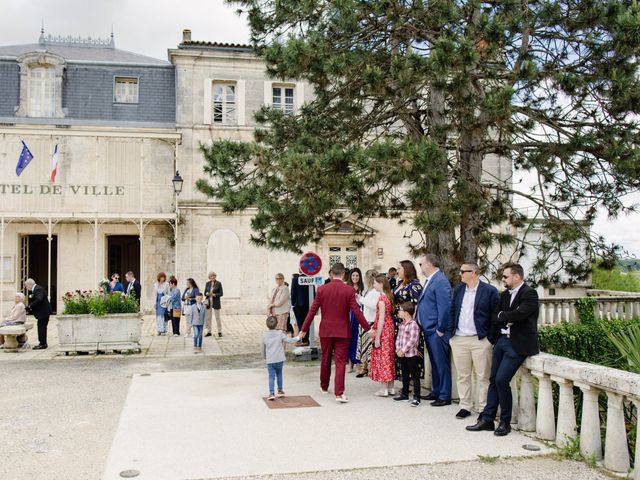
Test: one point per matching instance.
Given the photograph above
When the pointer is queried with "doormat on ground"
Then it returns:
(291, 402)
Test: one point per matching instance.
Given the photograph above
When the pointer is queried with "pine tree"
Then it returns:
(413, 97)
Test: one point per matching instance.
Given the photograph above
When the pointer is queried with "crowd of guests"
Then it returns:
(382, 323)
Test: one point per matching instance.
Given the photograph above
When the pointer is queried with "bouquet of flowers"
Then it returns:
(103, 284)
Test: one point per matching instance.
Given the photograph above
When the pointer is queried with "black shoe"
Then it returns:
(463, 413)
(208, 334)
(401, 398)
(502, 430)
(415, 402)
(480, 426)
(363, 374)
(219, 334)
(40, 347)
(440, 403)
(431, 396)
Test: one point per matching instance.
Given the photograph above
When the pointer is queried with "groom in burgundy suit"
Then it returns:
(334, 299)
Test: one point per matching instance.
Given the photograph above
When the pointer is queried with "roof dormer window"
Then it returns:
(40, 85)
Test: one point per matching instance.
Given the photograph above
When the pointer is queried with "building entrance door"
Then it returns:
(34, 263)
(123, 256)
(348, 256)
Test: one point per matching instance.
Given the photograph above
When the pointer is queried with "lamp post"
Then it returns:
(177, 188)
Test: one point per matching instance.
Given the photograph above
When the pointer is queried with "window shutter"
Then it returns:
(208, 106)
(299, 95)
(268, 93)
(240, 90)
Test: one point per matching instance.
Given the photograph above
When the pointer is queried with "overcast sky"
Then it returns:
(150, 27)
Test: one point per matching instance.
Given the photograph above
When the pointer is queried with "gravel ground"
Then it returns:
(59, 418)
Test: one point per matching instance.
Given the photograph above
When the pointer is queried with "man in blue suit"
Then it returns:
(434, 307)
(473, 313)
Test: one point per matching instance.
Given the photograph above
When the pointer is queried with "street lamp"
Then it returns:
(177, 188)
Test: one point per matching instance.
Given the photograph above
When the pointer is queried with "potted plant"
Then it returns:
(95, 321)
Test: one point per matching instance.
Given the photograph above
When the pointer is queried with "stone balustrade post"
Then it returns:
(616, 454)
(590, 441)
(545, 421)
(636, 469)
(527, 410)
(566, 429)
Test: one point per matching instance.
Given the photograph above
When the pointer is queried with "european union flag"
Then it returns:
(25, 157)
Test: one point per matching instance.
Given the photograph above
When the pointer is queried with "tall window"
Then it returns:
(125, 90)
(283, 98)
(42, 92)
(224, 103)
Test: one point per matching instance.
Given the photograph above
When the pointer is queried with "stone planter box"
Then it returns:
(88, 333)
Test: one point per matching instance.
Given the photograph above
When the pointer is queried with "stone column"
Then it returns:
(566, 429)
(545, 420)
(590, 441)
(636, 470)
(515, 400)
(616, 454)
(527, 410)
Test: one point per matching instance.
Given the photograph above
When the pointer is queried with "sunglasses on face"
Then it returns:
(465, 271)
(504, 277)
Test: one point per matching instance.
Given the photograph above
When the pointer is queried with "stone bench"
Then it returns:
(15, 336)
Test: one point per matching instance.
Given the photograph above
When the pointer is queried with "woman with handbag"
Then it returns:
(279, 305)
(162, 301)
(188, 301)
(175, 306)
(212, 294)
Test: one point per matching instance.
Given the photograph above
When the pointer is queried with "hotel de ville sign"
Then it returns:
(51, 189)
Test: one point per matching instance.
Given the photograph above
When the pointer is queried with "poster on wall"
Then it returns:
(6, 269)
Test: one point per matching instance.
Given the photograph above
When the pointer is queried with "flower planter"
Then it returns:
(88, 333)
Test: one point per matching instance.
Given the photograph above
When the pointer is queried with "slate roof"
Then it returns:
(83, 54)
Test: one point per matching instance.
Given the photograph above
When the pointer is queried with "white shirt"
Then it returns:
(466, 325)
(369, 301)
(513, 292)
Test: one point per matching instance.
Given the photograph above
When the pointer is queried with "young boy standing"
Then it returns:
(407, 351)
(198, 314)
(273, 353)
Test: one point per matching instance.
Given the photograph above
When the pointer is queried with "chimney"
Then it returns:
(186, 35)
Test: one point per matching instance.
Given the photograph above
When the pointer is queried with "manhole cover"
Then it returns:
(530, 447)
(129, 473)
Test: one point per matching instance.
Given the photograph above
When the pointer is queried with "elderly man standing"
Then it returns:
(518, 323)
(40, 308)
(335, 299)
(473, 310)
(434, 308)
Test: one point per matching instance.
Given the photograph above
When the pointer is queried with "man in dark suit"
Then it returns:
(40, 308)
(299, 302)
(434, 308)
(391, 276)
(133, 285)
(518, 338)
(473, 310)
(334, 299)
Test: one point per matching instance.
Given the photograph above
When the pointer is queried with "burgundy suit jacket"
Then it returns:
(335, 299)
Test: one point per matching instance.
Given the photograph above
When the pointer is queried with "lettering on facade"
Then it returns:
(48, 189)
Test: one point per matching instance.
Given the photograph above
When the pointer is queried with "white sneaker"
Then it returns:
(392, 391)
(324, 392)
(382, 393)
(342, 399)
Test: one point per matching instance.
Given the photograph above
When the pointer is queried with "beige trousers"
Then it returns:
(207, 319)
(470, 354)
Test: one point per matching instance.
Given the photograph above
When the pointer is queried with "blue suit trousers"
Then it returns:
(438, 348)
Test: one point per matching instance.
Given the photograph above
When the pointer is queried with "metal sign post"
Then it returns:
(310, 265)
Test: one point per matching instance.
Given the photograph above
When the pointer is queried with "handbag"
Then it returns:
(165, 300)
(176, 312)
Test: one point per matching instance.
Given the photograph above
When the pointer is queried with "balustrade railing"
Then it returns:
(621, 389)
(557, 309)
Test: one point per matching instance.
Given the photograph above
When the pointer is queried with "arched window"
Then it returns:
(42, 91)
(223, 257)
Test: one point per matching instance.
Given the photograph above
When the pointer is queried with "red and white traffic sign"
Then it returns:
(310, 264)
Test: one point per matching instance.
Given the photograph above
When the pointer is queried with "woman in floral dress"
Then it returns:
(382, 368)
(408, 290)
(355, 281)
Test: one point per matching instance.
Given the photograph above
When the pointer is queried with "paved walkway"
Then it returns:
(242, 335)
(223, 428)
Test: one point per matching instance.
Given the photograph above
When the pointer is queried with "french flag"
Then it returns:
(54, 164)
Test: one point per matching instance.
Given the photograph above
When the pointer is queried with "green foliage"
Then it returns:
(627, 342)
(490, 459)
(413, 100)
(615, 279)
(571, 451)
(585, 307)
(587, 342)
(98, 303)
